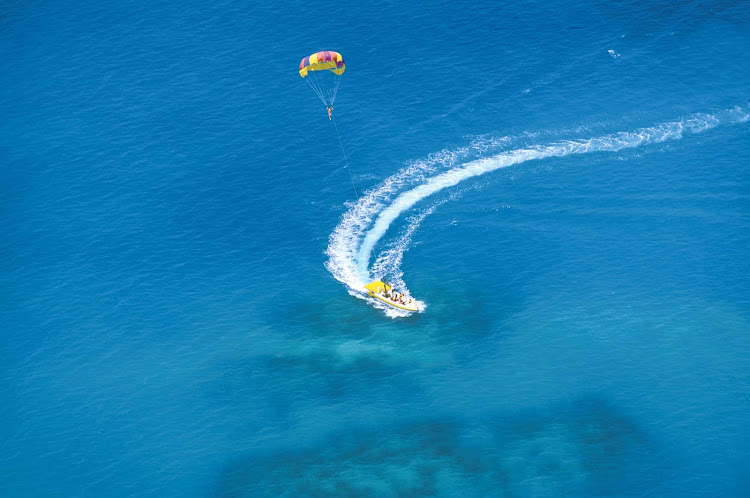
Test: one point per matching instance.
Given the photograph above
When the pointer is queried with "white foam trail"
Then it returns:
(344, 241)
(389, 261)
(352, 242)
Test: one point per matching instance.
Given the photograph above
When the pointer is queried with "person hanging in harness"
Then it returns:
(330, 112)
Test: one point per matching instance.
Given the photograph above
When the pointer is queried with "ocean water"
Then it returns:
(563, 186)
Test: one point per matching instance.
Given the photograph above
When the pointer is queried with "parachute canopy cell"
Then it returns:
(322, 61)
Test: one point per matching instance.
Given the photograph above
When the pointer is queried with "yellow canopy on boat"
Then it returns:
(377, 287)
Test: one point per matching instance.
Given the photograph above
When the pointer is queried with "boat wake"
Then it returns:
(352, 245)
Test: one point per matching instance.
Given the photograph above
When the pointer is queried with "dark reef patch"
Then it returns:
(587, 447)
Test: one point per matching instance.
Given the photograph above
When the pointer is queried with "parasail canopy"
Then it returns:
(322, 61)
(323, 70)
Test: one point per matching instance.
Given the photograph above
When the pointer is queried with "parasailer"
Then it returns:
(322, 71)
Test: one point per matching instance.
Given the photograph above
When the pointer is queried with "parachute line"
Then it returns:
(317, 92)
(336, 89)
(323, 85)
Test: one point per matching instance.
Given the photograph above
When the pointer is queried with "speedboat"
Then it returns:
(384, 292)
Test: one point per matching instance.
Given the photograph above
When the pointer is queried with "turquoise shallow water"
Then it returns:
(564, 187)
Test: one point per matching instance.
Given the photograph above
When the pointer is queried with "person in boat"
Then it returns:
(330, 112)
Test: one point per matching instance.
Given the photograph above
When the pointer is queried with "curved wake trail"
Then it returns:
(353, 241)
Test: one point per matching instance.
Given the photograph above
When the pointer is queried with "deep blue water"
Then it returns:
(564, 187)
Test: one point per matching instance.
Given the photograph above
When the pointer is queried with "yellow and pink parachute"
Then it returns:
(322, 71)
